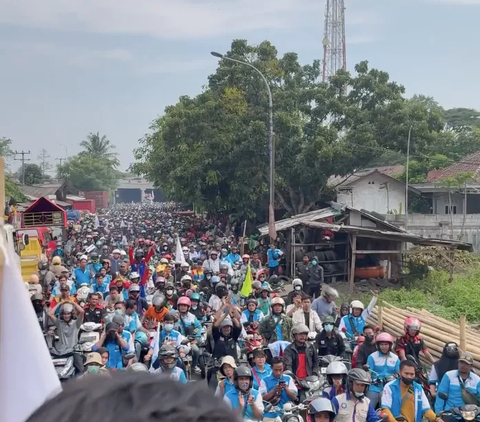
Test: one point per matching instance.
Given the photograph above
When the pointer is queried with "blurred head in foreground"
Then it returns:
(136, 397)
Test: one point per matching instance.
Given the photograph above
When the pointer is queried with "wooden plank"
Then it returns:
(383, 251)
(351, 280)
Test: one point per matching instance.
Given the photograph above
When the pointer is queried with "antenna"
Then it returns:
(334, 40)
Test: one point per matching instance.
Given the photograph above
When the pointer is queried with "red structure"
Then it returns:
(44, 213)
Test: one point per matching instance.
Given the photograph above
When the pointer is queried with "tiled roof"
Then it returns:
(45, 189)
(468, 164)
(387, 170)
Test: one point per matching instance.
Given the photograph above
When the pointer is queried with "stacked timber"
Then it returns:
(435, 331)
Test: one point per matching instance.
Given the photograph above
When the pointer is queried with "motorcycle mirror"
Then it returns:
(366, 367)
(443, 396)
(344, 329)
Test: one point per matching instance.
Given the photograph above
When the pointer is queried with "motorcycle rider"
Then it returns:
(325, 304)
(447, 362)
(297, 286)
(171, 296)
(141, 304)
(261, 368)
(233, 256)
(115, 261)
(329, 341)
(462, 386)
(244, 400)
(384, 364)
(227, 369)
(226, 331)
(277, 326)
(278, 389)
(158, 309)
(337, 379)
(189, 326)
(39, 308)
(115, 345)
(198, 307)
(404, 397)
(213, 262)
(220, 292)
(94, 366)
(307, 315)
(94, 312)
(67, 330)
(301, 357)
(354, 322)
(412, 343)
(367, 348)
(353, 405)
(47, 278)
(321, 410)
(251, 316)
(167, 357)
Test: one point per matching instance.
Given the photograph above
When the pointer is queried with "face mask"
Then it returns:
(194, 307)
(407, 381)
(169, 292)
(119, 312)
(208, 277)
(369, 338)
(359, 395)
(297, 288)
(93, 369)
(168, 327)
(328, 328)
(314, 262)
(244, 385)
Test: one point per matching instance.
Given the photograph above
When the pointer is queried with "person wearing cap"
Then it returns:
(115, 261)
(329, 341)
(213, 262)
(462, 386)
(301, 357)
(34, 285)
(126, 335)
(261, 368)
(226, 330)
(115, 345)
(94, 365)
(65, 295)
(227, 369)
(405, 397)
(278, 389)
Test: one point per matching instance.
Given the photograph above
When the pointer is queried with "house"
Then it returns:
(374, 189)
(56, 191)
(464, 198)
(349, 243)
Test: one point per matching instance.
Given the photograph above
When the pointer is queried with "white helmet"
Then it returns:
(357, 304)
(133, 275)
(336, 368)
(330, 291)
(297, 282)
(186, 277)
(123, 253)
(116, 251)
(278, 301)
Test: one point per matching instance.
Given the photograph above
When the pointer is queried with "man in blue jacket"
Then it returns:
(462, 386)
(404, 397)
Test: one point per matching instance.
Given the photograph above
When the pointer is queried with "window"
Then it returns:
(447, 209)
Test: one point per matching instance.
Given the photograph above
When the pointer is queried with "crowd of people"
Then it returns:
(170, 293)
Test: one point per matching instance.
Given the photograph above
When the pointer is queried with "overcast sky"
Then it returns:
(72, 67)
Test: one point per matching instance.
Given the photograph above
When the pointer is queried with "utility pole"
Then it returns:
(23, 159)
(61, 159)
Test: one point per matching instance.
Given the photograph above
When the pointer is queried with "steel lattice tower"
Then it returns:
(334, 44)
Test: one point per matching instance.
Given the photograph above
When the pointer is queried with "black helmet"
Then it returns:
(251, 300)
(451, 350)
(360, 376)
(220, 288)
(273, 279)
(243, 371)
(139, 253)
(94, 256)
(319, 405)
(208, 271)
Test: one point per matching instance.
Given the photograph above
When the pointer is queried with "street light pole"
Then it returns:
(271, 145)
(406, 176)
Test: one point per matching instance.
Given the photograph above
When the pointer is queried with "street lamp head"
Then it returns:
(215, 54)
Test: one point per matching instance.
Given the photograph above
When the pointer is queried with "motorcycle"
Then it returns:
(291, 412)
(63, 366)
(309, 388)
(467, 413)
(324, 361)
(89, 335)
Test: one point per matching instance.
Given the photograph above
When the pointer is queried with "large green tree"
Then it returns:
(33, 174)
(212, 149)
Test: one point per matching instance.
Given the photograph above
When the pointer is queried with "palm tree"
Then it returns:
(99, 147)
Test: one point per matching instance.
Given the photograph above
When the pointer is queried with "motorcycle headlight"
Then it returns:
(468, 415)
(66, 369)
(314, 385)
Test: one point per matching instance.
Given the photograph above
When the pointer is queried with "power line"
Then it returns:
(23, 159)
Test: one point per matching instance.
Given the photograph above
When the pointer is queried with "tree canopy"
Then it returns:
(212, 149)
(33, 174)
(94, 168)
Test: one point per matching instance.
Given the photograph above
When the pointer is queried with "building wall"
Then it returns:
(441, 203)
(439, 226)
(374, 193)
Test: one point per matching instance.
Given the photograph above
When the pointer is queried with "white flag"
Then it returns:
(27, 375)
(156, 348)
(179, 256)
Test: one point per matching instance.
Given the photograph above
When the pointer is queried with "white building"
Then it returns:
(372, 190)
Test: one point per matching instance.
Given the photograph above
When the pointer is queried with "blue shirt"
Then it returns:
(176, 374)
(450, 385)
(232, 258)
(267, 370)
(232, 398)
(82, 276)
(358, 323)
(114, 354)
(270, 383)
(392, 399)
(382, 366)
(371, 414)
(272, 257)
(190, 324)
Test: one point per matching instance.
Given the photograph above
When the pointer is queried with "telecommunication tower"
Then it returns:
(334, 44)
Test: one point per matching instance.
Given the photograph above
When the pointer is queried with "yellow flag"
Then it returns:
(247, 283)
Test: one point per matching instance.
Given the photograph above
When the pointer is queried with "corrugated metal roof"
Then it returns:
(384, 234)
(466, 165)
(37, 191)
(300, 219)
